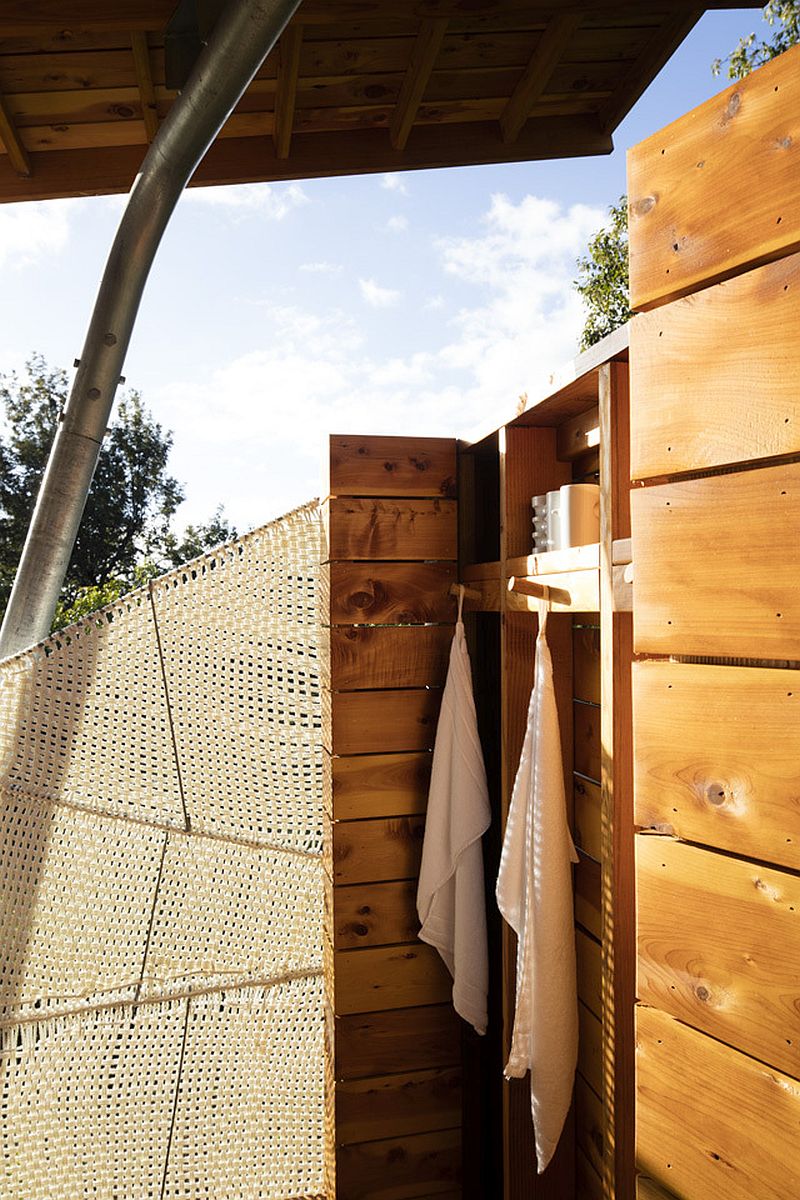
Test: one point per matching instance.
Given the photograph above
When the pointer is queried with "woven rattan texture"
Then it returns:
(161, 1018)
(248, 643)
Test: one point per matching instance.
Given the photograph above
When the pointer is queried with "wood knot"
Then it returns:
(389, 466)
(702, 993)
(640, 208)
(732, 108)
(420, 464)
(716, 794)
(364, 911)
(360, 930)
(448, 488)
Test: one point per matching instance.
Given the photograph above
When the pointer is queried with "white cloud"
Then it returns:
(397, 224)
(30, 230)
(394, 182)
(321, 268)
(377, 296)
(241, 199)
(258, 426)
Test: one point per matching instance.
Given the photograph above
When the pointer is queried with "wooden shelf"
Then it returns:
(573, 574)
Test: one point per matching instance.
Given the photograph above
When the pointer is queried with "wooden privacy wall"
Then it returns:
(577, 434)
(395, 1091)
(716, 449)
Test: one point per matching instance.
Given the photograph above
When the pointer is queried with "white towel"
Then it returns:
(534, 892)
(451, 900)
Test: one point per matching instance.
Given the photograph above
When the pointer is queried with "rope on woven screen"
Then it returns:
(161, 1012)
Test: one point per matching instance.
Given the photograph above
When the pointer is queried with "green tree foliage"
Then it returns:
(125, 535)
(783, 16)
(603, 277)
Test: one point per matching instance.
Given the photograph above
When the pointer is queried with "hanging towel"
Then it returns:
(534, 892)
(450, 899)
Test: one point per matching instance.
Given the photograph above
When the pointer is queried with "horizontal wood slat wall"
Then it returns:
(391, 550)
(712, 195)
(716, 747)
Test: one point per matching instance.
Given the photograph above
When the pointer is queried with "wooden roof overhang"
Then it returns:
(353, 86)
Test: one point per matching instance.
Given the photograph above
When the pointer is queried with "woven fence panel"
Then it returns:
(240, 632)
(161, 1018)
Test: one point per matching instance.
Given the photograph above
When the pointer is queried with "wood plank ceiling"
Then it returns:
(353, 86)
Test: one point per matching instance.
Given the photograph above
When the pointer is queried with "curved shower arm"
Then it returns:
(242, 38)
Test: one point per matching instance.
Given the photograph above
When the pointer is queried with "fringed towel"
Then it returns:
(450, 898)
(534, 892)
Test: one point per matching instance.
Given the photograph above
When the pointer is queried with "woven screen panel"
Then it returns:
(229, 914)
(86, 1104)
(85, 719)
(161, 916)
(239, 638)
(248, 1123)
(77, 895)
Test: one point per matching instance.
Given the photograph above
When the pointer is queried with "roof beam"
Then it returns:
(144, 80)
(17, 154)
(665, 40)
(24, 18)
(286, 94)
(314, 155)
(423, 57)
(537, 74)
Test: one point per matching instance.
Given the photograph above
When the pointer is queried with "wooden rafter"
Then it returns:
(666, 39)
(17, 154)
(286, 94)
(424, 55)
(537, 74)
(144, 80)
(22, 18)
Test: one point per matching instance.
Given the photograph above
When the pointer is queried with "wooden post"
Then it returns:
(395, 1074)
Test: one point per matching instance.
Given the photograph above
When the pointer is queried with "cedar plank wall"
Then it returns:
(395, 1096)
(716, 446)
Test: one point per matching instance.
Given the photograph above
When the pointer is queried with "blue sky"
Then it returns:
(421, 303)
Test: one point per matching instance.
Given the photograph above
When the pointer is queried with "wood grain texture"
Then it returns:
(572, 592)
(718, 947)
(704, 398)
(382, 721)
(397, 1168)
(423, 59)
(578, 435)
(389, 657)
(712, 194)
(647, 1189)
(587, 819)
(588, 1184)
(531, 468)
(587, 895)
(396, 1105)
(548, 50)
(587, 739)
(590, 1048)
(586, 663)
(711, 1121)
(390, 593)
(589, 1123)
(289, 50)
(378, 785)
(390, 977)
(392, 466)
(382, 849)
(144, 82)
(590, 971)
(717, 756)
(375, 914)
(716, 568)
(370, 1044)
(616, 824)
(374, 528)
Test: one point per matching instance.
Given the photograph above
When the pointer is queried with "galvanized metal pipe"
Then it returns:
(243, 36)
